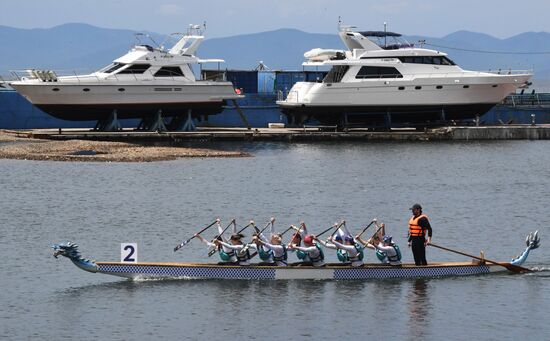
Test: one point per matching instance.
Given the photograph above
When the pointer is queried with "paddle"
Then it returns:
(258, 232)
(374, 234)
(365, 229)
(511, 267)
(336, 225)
(288, 229)
(182, 244)
(211, 252)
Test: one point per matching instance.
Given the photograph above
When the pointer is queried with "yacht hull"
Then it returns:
(84, 102)
(384, 114)
(91, 112)
(419, 100)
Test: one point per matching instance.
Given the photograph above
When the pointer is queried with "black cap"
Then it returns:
(416, 206)
(237, 236)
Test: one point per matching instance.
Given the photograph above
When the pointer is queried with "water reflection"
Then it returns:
(419, 307)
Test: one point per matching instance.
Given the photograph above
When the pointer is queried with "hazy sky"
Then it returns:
(436, 18)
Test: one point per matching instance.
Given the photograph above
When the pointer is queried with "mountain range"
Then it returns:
(84, 48)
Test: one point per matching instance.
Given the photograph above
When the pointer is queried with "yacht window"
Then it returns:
(437, 60)
(136, 69)
(439, 87)
(446, 61)
(378, 72)
(169, 71)
(336, 74)
(113, 67)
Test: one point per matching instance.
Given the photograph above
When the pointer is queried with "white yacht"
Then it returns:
(144, 82)
(382, 79)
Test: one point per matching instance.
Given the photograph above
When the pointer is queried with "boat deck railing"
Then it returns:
(74, 75)
(532, 99)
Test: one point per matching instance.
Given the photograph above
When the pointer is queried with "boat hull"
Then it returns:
(256, 272)
(97, 101)
(385, 115)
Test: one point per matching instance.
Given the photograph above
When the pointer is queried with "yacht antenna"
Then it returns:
(137, 35)
(385, 37)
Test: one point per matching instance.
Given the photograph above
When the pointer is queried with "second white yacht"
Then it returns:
(382, 80)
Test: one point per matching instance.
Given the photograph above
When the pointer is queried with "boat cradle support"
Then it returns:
(153, 123)
(183, 122)
(110, 123)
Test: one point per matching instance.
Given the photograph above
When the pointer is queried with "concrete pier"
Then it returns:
(455, 133)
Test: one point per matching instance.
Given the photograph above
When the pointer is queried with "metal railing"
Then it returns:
(72, 75)
(532, 99)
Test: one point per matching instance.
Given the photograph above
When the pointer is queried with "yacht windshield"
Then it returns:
(387, 40)
(336, 74)
(112, 67)
(135, 69)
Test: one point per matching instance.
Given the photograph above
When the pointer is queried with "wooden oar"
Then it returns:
(330, 228)
(365, 229)
(511, 267)
(182, 244)
(258, 232)
(379, 227)
(244, 228)
(211, 252)
(285, 231)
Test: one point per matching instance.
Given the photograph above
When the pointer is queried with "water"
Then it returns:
(485, 195)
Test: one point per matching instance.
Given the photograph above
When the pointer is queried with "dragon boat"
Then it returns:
(148, 270)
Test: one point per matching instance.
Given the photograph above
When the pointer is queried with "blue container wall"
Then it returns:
(285, 80)
(266, 82)
(315, 76)
(245, 80)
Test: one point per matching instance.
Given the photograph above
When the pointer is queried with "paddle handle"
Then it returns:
(330, 228)
(369, 225)
(188, 240)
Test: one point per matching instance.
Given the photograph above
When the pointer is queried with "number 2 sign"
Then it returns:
(128, 252)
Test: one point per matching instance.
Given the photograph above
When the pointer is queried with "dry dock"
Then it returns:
(455, 133)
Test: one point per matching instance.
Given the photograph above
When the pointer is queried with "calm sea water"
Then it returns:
(479, 196)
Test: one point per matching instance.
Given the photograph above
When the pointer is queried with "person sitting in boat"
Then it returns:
(386, 251)
(258, 238)
(350, 252)
(275, 249)
(313, 251)
(241, 250)
(296, 240)
(227, 255)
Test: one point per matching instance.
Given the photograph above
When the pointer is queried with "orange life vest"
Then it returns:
(416, 230)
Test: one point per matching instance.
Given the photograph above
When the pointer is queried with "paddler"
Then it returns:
(313, 251)
(277, 251)
(227, 255)
(241, 250)
(386, 250)
(296, 240)
(350, 252)
(259, 239)
(418, 226)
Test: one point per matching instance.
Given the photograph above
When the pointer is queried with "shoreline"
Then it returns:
(98, 151)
